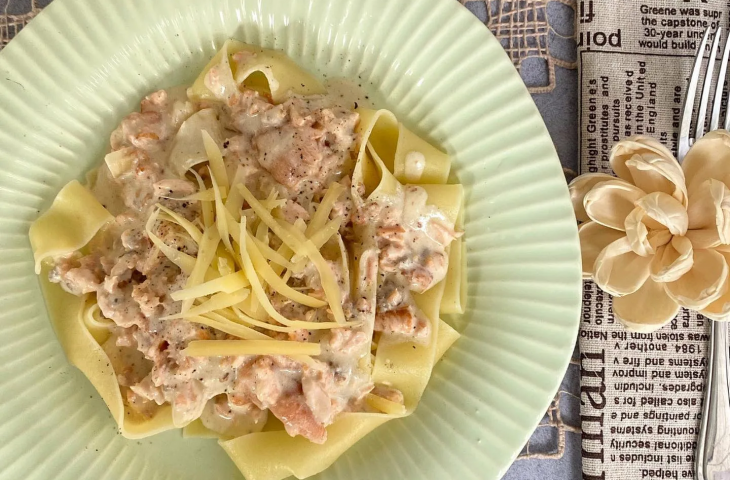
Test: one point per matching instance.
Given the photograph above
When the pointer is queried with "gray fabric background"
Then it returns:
(559, 109)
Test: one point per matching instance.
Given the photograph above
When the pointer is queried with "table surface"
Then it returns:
(559, 108)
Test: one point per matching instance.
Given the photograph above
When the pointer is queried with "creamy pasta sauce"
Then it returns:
(294, 150)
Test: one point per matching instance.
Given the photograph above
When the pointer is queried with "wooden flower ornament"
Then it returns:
(658, 236)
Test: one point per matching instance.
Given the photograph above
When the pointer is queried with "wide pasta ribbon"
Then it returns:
(384, 144)
(274, 455)
(383, 158)
(389, 157)
(73, 219)
(261, 69)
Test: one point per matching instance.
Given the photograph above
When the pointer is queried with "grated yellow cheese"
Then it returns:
(206, 253)
(224, 348)
(272, 255)
(185, 262)
(319, 238)
(205, 206)
(216, 302)
(226, 284)
(325, 207)
(205, 195)
(296, 240)
(231, 328)
(384, 405)
(215, 159)
(192, 230)
(267, 273)
(221, 220)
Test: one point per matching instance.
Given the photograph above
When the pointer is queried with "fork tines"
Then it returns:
(685, 138)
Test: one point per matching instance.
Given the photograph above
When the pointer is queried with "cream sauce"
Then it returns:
(415, 163)
(298, 148)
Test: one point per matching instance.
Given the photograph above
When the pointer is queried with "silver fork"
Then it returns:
(712, 457)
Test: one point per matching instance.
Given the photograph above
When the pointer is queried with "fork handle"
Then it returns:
(713, 445)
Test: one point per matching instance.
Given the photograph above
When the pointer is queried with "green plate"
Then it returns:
(70, 76)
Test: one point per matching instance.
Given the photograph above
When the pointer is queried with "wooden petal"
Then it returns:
(580, 186)
(637, 233)
(720, 308)
(718, 317)
(618, 270)
(657, 238)
(666, 210)
(626, 149)
(647, 309)
(708, 158)
(672, 261)
(704, 239)
(709, 208)
(593, 239)
(704, 283)
(650, 166)
(609, 203)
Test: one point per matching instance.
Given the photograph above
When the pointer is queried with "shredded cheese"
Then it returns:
(325, 207)
(262, 232)
(206, 253)
(215, 159)
(286, 276)
(221, 221)
(182, 260)
(231, 328)
(233, 229)
(242, 317)
(296, 240)
(204, 195)
(264, 269)
(192, 230)
(251, 308)
(322, 235)
(272, 255)
(285, 253)
(226, 284)
(329, 283)
(224, 348)
(293, 326)
(225, 266)
(256, 287)
(319, 238)
(223, 315)
(384, 405)
(266, 217)
(260, 294)
(216, 302)
(205, 206)
(234, 202)
(226, 315)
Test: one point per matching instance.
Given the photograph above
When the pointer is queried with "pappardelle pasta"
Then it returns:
(257, 261)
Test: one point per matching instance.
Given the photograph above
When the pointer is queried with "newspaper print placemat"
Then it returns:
(641, 394)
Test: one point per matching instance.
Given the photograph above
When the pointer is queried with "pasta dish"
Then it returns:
(257, 260)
